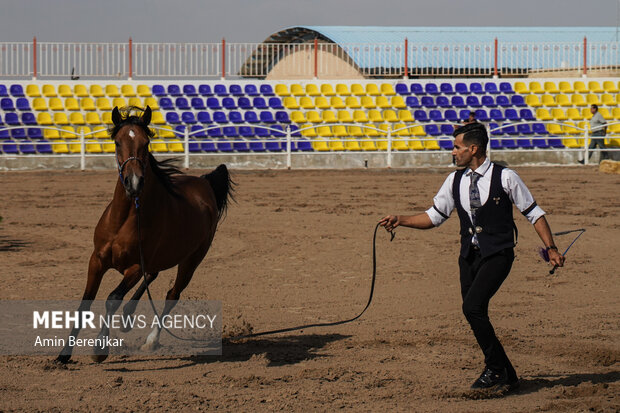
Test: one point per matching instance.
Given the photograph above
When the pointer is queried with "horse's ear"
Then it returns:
(146, 116)
(116, 116)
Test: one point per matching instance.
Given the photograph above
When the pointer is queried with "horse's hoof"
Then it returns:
(63, 358)
(99, 358)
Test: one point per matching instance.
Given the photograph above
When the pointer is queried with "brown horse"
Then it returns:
(178, 218)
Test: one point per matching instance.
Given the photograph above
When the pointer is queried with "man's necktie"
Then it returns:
(474, 194)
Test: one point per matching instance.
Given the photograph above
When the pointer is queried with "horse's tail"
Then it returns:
(223, 187)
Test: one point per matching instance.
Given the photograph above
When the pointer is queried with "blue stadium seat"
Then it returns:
(451, 115)
(230, 132)
(431, 89)
(503, 101)
(174, 90)
(166, 104)
(506, 88)
(555, 143)
(446, 89)
(461, 89)
(225, 146)
(261, 132)
(4, 134)
(402, 89)
(173, 118)
(204, 117)
(188, 118)
(511, 114)
(435, 115)
(194, 146)
(235, 90)
(220, 90)
(220, 117)
(509, 144)
(494, 129)
(266, 90)
(446, 129)
(495, 143)
(491, 87)
(266, 117)
(476, 88)
(413, 102)
(240, 146)
(517, 100)
(428, 102)
(17, 90)
(458, 102)
(526, 114)
(443, 102)
(509, 129)
(198, 103)
(208, 145)
(246, 132)
(229, 103)
(198, 131)
(158, 90)
(43, 146)
(417, 89)
(205, 90)
(215, 132)
(250, 117)
(7, 104)
(282, 117)
(472, 101)
(432, 129)
(539, 129)
(497, 115)
(28, 118)
(540, 143)
(179, 131)
(189, 90)
(182, 103)
(275, 103)
(18, 133)
(213, 103)
(274, 146)
(3, 91)
(257, 146)
(1, 123)
(27, 148)
(12, 119)
(420, 116)
(244, 103)
(9, 147)
(250, 90)
(464, 114)
(259, 103)
(35, 133)
(488, 101)
(482, 115)
(235, 117)
(22, 104)
(524, 129)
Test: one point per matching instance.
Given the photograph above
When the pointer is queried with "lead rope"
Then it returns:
(264, 333)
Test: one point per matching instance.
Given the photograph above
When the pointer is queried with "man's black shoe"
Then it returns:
(489, 379)
(580, 161)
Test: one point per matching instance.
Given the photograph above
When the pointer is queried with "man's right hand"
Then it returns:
(390, 222)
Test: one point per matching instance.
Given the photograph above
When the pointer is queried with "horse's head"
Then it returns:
(131, 136)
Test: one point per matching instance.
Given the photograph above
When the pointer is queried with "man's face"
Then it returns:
(593, 110)
(462, 152)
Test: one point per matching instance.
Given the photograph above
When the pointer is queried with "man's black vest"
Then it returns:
(495, 225)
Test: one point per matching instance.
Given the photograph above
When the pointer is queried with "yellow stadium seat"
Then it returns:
(324, 131)
(135, 102)
(372, 89)
(543, 114)
(571, 129)
(290, 102)
(103, 104)
(572, 142)
(321, 102)
(593, 99)
(65, 91)
(80, 91)
(158, 145)
(352, 144)
(608, 100)
(550, 87)
(337, 103)
(342, 90)
(152, 103)
(119, 102)
(418, 130)
(610, 87)
(320, 145)
(60, 147)
(56, 104)
(313, 116)
(94, 147)
(92, 118)
(297, 90)
(336, 145)
(382, 102)
(558, 114)
(548, 101)
(112, 91)
(282, 90)
(614, 129)
(352, 102)
(128, 91)
(595, 87)
(405, 116)
(87, 104)
(74, 145)
(144, 91)
(165, 132)
(554, 129)
(398, 102)
(382, 144)
(60, 118)
(536, 88)
(360, 116)
(175, 147)
(76, 118)
(573, 114)
(564, 101)
(520, 87)
(390, 116)
(357, 90)
(344, 116)
(39, 104)
(298, 117)
(312, 90)
(580, 87)
(157, 118)
(96, 91)
(72, 104)
(367, 145)
(533, 101)
(308, 131)
(101, 133)
(387, 89)
(67, 132)
(44, 118)
(51, 134)
(33, 91)
(340, 131)
(106, 118)
(327, 89)
(416, 144)
(566, 87)
(306, 102)
(578, 100)
(431, 145)
(84, 129)
(355, 131)
(368, 102)
(49, 91)
(604, 113)
(375, 116)
(329, 116)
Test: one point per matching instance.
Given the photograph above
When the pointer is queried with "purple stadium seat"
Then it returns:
(251, 90)
(540, 143)
(476, 88)
(461, 89)
(495, 143)
(182, 103)
(428, 102)
(244, 103)
(451, 115)
(431, 89)
(517, 100)
(435, 116)
(275, 103)
(282, 117)
(503, 101)
(402, 89)
(220, 117)
(413, 102)
(524, 129)
(174, 90)
(266, 117)
(491, 87)
(464, 114)
(213, 103)
(43, 146)
(472, 101)
(7, 104)
(495, 129)
(205, 90)
(158, 90)
(35, 133)
(446, 89)
(420, 116)
(235, 117)
(417, 89)
(18, 133)
(250, 117)
(506, 88)
(3, 91)
(188, 118)
(229, 103)
(539, 129)
(9, 147)
(432, 129)
(27, 148)
(173, 118)
(189, 90)
(204, 118)
(511, 114)
(246, 132)
(526, 114)
(12, 119)
(198, 131)
(497, 115)
(28, 118)
(215, 132)
(259, 103)
(166, 104)
(488, 101)
(458, 102)
(17, 90)
(198, 103)
(235, 90)
(220, 90)
(266, 90)
(4, 134)
(22, 104)
(482, 115)
(446, 129)
(443, 102)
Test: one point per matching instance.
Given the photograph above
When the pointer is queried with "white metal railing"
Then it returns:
(16, 59)
(90, 60)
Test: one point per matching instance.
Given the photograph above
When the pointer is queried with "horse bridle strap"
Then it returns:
(121, 166)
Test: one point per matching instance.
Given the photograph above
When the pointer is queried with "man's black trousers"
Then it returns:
(480, 280)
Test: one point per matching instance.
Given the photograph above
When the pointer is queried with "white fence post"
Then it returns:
(288, 147)
(586, 144)
(82, 151)
(186, 147)
(389, 148)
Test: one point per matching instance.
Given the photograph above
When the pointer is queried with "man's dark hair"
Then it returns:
(475, 134)
(594, 107)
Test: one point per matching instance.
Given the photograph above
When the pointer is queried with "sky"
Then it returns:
(253, 21)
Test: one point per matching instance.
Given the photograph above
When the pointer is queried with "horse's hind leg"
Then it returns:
(96, 269)
(130, 307)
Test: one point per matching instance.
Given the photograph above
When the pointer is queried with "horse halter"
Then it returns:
(121, 166)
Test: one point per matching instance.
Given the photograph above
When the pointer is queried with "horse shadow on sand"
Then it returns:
(277, 351)
(536, 383)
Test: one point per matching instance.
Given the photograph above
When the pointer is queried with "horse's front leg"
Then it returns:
(130, 307)
(130, 279)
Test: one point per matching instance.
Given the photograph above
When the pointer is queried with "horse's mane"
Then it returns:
(164, 169)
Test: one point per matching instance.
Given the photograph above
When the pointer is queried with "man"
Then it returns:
(483, 194)
(597, 126)
(471, 118)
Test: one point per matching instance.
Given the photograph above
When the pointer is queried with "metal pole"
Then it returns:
(34, 58)
(586, 144)
(288, 147)
(585, 57)
(223, 58)
(82, 151)
(130, 59)
(406, 58)
(389, 148)
(186, 147)
(316, 58)
(495, 59)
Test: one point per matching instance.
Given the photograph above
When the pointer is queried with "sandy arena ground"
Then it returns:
(296, 248)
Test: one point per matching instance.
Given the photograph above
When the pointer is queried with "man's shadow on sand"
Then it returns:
(278, 351)
(537, 383)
